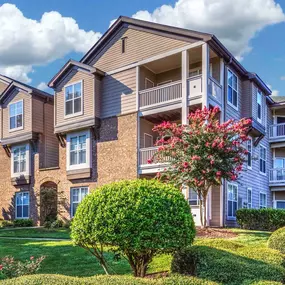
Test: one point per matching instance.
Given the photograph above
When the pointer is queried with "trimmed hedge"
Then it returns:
(261, 219)
(235, 264)
(103, 280)
(277, 240)
(23, 223)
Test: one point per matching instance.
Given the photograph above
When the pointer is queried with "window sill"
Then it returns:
(73, 115)
(16, 129)
(262, 173)
(233, 106)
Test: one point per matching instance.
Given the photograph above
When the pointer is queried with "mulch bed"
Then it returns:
(214, 233)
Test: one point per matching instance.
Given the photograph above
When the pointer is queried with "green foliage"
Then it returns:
(103, 280)
(233, 265)
(6, 224)
(47, 224)
(261, 219)
(23, 223)
(140, 218)
(266, 283)
(277, 240)
(56, 224)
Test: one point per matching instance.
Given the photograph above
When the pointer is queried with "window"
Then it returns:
(232, 89)
(22, 205)
(77, 195)
(20, 160)
(259, 106)
(280, 205)
(262, 200)
(78, 150)
(249, 198)
(148, 140)
(249, 155)
(16, 115)
(193, 198)
(262, 159)
(73, 99)
(124, 40)
(232, 200)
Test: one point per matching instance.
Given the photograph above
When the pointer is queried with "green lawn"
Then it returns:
(243, 255)
(36, 233)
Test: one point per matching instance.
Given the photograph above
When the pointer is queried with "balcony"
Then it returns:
(144, 155)
(215, 89)
(277, 133)
(277, 177)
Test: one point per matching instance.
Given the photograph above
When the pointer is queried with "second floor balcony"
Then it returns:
(277, 132)
(277, 177)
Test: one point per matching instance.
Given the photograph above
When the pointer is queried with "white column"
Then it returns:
(205, 74)
(137, 87)
(184, 76)
(138, 116)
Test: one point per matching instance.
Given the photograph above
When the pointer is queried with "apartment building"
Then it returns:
(137, 75)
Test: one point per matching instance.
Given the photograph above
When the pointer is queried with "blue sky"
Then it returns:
(257, 36)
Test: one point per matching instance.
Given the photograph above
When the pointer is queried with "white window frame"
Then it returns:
(16, 212)
(18, 128)
(145, 83)
(230, 103)
(88, 150)
(77, 113)
(234, 185)
(262, 193)
(193, 200)
(247, 190)
(251, 145)
(276, 201)
(71, 197)
(263, 173)
(147, 135)
(261, 110)
(28, 163)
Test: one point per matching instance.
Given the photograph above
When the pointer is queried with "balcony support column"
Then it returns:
(222, 81)
(138, 116)
(205, 74)
(184, 76)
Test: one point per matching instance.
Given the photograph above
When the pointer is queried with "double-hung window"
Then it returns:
(280, 205)
(16, 115)
(77, 195)
(20, 160)
(249, 154)
(232, 200)
(232, 89)
(262, 159)
(78, 150)
(193, 198)
(259, 106)
(73, 99)
(262, 200)
(249, 198)
(22, 205)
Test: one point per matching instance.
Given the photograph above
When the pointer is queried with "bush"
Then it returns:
(23, 223)
(47, 225)
(261, 219)
(266, 283)
(237, 265)
(103, 280)
(11, 268)
(140, 218)
(277, 240)
(5, 224)
(57, 224)
(67, 224)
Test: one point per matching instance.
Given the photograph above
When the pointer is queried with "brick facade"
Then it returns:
(114, 157)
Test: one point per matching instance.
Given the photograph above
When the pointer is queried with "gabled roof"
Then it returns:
(65, 69)
(27, 88)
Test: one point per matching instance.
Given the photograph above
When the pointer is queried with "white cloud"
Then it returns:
(26, 42)
(274, 91)
(282, 78)
(42, 86)
(235, 23)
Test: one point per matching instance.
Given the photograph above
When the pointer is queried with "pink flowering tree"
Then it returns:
(203, 153)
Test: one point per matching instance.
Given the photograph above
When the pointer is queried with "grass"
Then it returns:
(36, 233)
(226, 257)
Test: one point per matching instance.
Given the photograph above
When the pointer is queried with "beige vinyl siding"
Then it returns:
(146, 128)
(139, 45)
(88, 96)
(27, 121)
(98, 93)
(3, 86)
(119, 93)
(215, 206)
(37, 115)
(51, 146)
(246, 108)
(173, 75)
(146, 74)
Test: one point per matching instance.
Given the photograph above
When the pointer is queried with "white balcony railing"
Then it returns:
(160, 94)
(146, 154)
(277, 130)
(277, 175)
(215, 89)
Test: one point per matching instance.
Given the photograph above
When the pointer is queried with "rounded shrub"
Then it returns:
(277, 240)
(140, 218)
